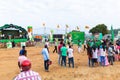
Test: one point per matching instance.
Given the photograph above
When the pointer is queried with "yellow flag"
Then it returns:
(58, 26)
(43, 24)
(87, 27)
(67, 26)
(78, 28)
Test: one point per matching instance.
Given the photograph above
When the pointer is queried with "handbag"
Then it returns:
(49, 62)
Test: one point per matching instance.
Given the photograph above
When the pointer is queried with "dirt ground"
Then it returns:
(9, 68)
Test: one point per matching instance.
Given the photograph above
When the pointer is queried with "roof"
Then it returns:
(12, 26)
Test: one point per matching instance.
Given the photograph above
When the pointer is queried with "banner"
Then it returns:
(77, 35)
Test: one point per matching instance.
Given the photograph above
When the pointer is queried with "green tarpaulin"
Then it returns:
(77, 35)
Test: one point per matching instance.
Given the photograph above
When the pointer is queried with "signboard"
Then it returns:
(77, 35)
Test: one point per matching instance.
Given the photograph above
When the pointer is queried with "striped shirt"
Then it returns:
(28, 75)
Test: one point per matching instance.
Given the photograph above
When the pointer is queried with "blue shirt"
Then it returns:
(21, 52)
(45, 54)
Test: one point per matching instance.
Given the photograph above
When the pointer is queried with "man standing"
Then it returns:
(59, 52)
(45, 54)
(26, 73)
(79, 46)
(21, 58)
(110, 54)
(22, 51)
(55, 44)
(70, 56)
(64, 54)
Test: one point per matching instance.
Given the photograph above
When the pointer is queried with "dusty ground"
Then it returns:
(9, 68)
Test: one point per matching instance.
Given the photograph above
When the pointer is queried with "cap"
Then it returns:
(26, 63)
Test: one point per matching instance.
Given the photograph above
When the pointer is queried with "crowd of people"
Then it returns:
(103, 52)
(100, 53)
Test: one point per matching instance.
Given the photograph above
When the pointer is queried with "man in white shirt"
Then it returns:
(70, 56)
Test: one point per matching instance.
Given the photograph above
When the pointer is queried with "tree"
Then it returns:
(100, 28)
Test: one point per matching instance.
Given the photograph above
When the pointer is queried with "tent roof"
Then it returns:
(13, 26)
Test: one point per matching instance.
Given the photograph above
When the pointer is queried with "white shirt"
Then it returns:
(70, 52)
(47, 43)
(102, 52)
(95, 53)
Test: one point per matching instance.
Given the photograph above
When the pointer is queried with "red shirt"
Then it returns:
(59, 47)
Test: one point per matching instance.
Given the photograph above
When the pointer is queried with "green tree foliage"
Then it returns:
(100, 28)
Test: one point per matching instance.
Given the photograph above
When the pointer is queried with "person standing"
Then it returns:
(59, 52)
(79, 46)
(84, 45)
(102, 55)
(21, 58)
(26, 73)
(70, 56)
(110, 54)
(55, 44)
(22, 51)
(45, 54)
(47, 43)
(89, 53)
(64, 54)
(94, 56)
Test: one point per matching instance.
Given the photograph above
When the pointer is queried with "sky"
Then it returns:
(60, 12)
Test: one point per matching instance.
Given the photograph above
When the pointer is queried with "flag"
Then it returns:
(87, 27)
(100, 36)
(78, 28)
(43, 24)
(67, 26)
(58, 26)
(112, 34)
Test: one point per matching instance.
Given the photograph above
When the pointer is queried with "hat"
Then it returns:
(26, 63)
